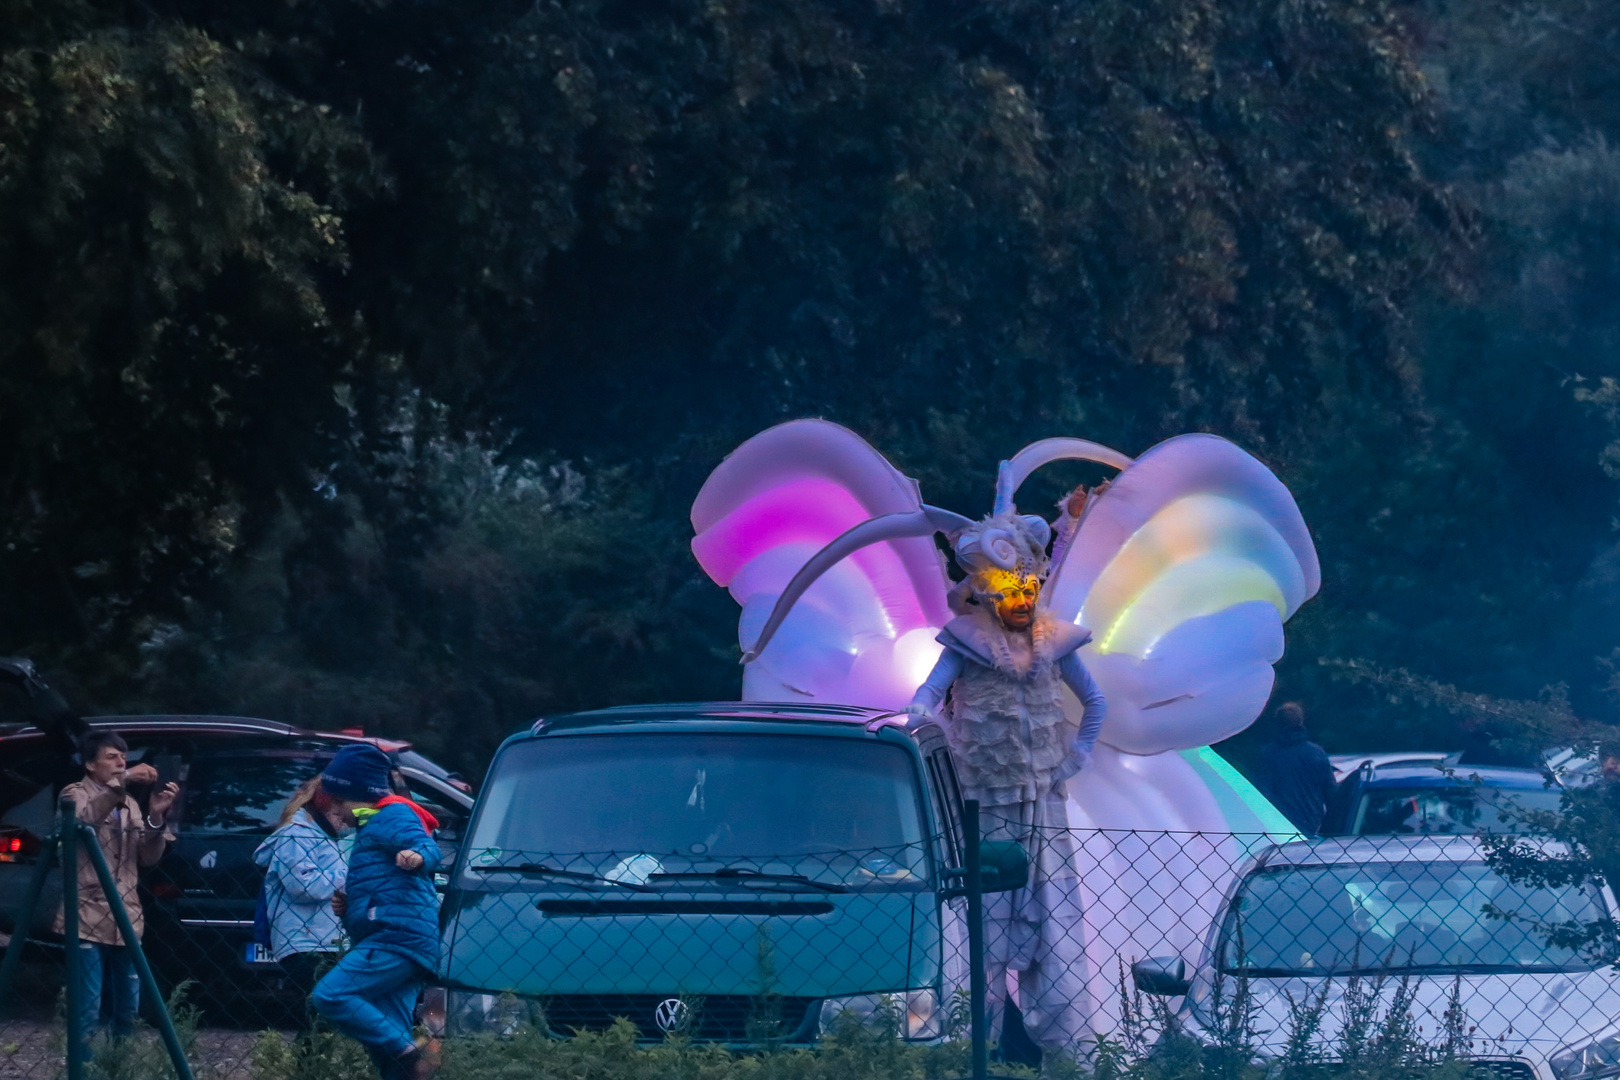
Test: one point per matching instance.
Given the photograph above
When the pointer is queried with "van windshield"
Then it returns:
(833, 809)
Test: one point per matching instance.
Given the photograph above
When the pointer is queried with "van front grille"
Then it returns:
(719, 1017)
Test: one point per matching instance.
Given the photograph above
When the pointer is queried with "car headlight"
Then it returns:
(471, 1012)
(916, 1014)
(1597, 1059)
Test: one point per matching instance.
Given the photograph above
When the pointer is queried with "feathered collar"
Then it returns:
(979, 636)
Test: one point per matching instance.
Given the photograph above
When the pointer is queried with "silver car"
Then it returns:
(1309, 919)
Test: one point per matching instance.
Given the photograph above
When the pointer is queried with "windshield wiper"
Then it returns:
(568, 876)
(743, 876)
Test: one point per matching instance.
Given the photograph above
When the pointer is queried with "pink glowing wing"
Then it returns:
(1185, 571)
(863, 634)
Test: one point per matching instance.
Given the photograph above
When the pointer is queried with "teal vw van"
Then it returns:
(733, 871)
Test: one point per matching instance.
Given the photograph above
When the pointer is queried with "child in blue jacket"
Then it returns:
(391, 914)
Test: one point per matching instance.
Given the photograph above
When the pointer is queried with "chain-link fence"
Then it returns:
(1247, 942)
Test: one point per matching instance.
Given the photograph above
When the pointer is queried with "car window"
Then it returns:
(244, 792)
(1402, 916)
(1460, 811)
(942, 774)
(452, 818)
(27, 772)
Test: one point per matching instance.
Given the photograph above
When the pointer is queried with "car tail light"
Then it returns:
(17, 845)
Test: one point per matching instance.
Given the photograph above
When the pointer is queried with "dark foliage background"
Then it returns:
(359, 359)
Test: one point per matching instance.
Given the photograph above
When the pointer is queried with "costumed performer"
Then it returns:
(1000, 681)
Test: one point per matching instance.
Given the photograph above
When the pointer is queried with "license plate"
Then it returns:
(259, 954)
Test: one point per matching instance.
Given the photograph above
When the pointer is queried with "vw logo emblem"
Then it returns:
(671, 1014)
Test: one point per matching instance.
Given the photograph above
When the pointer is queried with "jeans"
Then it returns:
(370, 996)
(112, 967)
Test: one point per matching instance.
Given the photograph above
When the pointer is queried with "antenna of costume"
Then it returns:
(1014, 471)
(914, 523)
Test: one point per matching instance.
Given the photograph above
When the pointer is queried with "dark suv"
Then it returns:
(235, 774)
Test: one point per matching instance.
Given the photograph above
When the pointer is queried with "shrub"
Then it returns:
(1378, 1040)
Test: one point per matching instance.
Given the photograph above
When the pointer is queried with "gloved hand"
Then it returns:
(1072, 765)
(920, 714)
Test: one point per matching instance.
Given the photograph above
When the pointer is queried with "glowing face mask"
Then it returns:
(1019, 593)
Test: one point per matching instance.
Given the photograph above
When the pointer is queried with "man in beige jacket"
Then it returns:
(129, 840)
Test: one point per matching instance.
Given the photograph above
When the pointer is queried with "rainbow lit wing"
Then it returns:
(1185, 571)
(864, 632)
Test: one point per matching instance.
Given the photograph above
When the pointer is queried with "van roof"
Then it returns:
(791, 712)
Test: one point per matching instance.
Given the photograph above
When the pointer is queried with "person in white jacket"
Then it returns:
(305, 864)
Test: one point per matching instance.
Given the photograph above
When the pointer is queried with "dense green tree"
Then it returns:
(1475, 545)
(327, 240)
(168, 361)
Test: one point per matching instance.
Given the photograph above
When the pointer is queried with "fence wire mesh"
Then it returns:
(1269, 946)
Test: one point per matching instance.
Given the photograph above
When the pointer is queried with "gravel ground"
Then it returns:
(32, 1050)
(32, 1037)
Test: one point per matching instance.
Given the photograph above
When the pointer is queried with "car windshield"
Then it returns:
(631, 805)
(1461, 811)
(1401, 916)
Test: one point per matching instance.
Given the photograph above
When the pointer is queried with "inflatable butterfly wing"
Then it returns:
(1185, 570)
(863, 632)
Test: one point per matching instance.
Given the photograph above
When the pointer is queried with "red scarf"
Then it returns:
(429, 822)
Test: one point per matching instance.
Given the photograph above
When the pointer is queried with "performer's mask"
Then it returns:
(1015, 596)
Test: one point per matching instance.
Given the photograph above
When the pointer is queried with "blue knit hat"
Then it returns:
(359, 773)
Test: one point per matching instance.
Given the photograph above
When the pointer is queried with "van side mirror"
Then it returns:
(1003, 866)
(1163, 975)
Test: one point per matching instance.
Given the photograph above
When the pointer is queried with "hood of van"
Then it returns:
(549, 941)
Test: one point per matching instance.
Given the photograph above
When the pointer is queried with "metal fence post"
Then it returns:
(975, 920)
(126, 930)
(23, 923)
(67, 834)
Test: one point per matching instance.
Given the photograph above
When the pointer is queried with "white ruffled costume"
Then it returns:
(1015, 749)
(1184, 570)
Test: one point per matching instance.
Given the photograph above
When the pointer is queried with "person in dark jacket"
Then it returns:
(1294, 772)
(390, 912)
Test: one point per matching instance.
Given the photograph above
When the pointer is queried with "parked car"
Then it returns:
(1313, 918)
(1346, 764)
(1436, 797)
(235, 774)
(699, 867)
